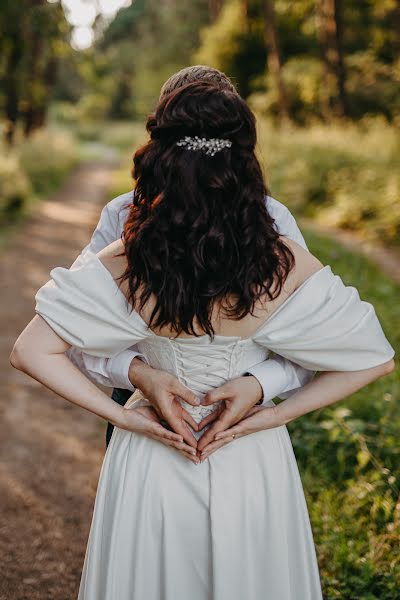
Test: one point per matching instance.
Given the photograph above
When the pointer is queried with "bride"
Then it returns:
(206, 288)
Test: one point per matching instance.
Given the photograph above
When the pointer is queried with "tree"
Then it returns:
(214, 8)
(33, 35)
(396, 29)
(329, 31)
(144, 44)
(274, 56)
(12, 23)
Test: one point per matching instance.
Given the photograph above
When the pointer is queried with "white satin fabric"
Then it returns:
(236, 526)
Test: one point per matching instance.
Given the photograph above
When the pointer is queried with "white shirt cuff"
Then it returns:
(271, 376)
(118, 369)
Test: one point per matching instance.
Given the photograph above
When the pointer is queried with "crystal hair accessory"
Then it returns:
(209, 145)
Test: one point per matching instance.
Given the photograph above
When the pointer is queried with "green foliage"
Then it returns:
(33, 168)
(232, 47)
(131, 138)
(347, 175)
(373, 86)
(368, 37)
(303, 80)
(47, 157)
(14, 186)
(145, 44)
(33, 39)
(349, 458)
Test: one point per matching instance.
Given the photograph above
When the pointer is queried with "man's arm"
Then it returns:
(114, 371)
(110, 372)
(278, 376)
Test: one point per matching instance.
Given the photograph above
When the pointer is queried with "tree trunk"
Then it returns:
(35, 93)
(274, 56)
(396, 30)
(49, 79)
(329, 30)
(325, 95)
(11, 86)
(245, 13)
(214, 8)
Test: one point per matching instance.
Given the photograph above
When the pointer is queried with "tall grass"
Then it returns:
(349, 458)
(344, 175)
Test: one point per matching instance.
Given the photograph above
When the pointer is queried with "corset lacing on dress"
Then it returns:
(202, 367)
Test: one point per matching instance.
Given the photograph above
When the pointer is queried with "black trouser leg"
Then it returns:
(122, 397)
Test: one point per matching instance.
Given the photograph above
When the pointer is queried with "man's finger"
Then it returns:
(210, 418)
(219, 425)
(179, 426)
(212, 396)
(189, 419)
(186, 394)
(187, 435)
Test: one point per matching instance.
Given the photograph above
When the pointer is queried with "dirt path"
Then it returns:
(388, 259)
(50, 451)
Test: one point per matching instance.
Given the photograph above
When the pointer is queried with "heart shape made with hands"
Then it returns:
(221, 425)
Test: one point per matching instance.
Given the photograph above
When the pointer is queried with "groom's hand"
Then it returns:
(161, 389)
(239, 397)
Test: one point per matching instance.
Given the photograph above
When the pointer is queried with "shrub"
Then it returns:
(47, 156)
(14, 186)
(34, 167)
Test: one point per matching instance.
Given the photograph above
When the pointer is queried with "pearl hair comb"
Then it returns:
(209, 145)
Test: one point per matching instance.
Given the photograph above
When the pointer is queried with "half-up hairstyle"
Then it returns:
(198, 231)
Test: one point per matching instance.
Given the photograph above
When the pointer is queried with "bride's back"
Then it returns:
(306, 264)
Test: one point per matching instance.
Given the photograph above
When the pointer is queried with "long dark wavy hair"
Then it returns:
(198, 230)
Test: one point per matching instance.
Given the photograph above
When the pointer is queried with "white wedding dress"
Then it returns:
(235, 527)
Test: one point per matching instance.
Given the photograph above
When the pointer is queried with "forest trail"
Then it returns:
(387, 259)
(51, 451)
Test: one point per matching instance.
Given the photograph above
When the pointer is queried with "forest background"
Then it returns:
(327, 71)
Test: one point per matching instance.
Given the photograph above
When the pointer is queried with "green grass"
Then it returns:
(349, 457)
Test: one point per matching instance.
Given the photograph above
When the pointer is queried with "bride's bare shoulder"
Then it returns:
(306, 264)
(114, 259)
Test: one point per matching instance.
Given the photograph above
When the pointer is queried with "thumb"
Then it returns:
(187, 395)
(212, 396)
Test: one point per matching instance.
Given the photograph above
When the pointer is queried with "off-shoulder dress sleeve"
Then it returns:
(325, 326)
(86, 308)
